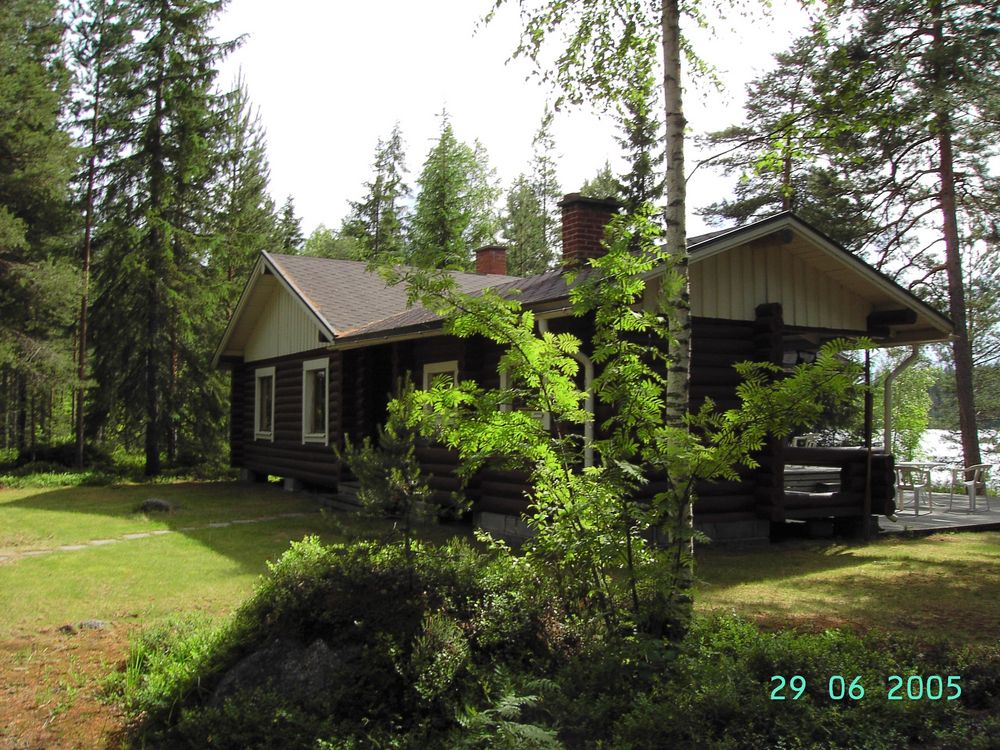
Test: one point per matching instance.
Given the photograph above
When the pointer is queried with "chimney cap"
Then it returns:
(578, 198)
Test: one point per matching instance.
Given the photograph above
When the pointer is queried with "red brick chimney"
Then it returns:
(583, 221)
(492, 259)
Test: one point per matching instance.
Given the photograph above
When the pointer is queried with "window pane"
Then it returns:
(264, 385)
(317, 402)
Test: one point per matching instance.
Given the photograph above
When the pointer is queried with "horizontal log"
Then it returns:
(707, 331)
(506, 505)
(724, 504)
(715, 376)
(503, 489)
(724, 517)
(742, 347)
(716, 359)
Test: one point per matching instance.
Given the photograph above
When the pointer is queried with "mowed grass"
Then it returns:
(940, 587)
(42, 518)
(196, 568)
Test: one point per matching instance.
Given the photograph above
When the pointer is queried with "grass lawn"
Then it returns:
(940, 587)
(50, 679)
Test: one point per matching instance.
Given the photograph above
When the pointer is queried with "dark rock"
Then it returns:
(67, 629)
(156, 505)
(297, 672)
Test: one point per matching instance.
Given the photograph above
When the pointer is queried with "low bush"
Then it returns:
(458, 648)
(415, 645)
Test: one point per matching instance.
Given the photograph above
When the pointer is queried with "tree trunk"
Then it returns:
(154, 322)
(679, 529)
(674, 218)
(81, 371)
(961, 349)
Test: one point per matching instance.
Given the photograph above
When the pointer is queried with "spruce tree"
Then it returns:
(288, 236)
(153, 301)
(455, 208)
(545, 184)
(523, 227)
(37, 284)
(377, 221)
(245, 219)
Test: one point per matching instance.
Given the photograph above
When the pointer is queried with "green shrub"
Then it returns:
(434, 633)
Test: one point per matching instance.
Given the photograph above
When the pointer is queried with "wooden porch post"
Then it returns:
(866, 512)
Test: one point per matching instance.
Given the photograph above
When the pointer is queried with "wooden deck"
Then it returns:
(940, 519)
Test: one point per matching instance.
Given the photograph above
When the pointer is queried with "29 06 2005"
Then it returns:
(851, 687)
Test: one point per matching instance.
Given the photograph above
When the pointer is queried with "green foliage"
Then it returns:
(154, 320)
(288, 233)
(717, 696)
(530, 222)
(911, 407)
(523, 229)
(377, 221)
(426, 654)
(591, 523)
(602, 185)
(37, 280)
(455, 208)
(327, 243)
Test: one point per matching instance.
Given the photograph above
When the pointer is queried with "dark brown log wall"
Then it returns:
(286, 455)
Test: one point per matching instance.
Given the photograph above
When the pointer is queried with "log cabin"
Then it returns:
(315, 346)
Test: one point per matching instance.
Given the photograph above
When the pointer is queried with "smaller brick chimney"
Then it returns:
(492, 259)
(583, 222)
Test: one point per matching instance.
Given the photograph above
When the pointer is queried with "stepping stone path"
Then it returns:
(141, 535)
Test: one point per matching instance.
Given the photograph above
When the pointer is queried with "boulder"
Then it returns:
(156, 505)
(287, 667)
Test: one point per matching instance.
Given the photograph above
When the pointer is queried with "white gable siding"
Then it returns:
(731, 284)
(283, 328)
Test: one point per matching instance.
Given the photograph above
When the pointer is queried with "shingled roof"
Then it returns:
(349, 298)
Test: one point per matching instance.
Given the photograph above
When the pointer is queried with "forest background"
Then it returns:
(135, 198)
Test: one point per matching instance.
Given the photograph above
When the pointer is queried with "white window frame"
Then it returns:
(312, 365)
(259, 373)
(448, 367)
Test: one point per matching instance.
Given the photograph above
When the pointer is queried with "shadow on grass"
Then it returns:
(939, 587)
(235, 519)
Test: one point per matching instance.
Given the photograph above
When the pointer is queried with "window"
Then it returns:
(433, 369)
(315, 400)
(263, 410)
(542, 416)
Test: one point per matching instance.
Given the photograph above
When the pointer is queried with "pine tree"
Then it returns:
(152, 302)
(377, 221)
(915, 82)
(455, 208)
(781, 155)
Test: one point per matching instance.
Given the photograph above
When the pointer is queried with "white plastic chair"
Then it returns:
(974, 480)
(915, 480)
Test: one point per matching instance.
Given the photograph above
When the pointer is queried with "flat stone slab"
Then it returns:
(140, 535)
(218, 525)
(102, 542)
(72, 547)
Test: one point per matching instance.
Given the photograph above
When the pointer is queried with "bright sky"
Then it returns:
(331, 78)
